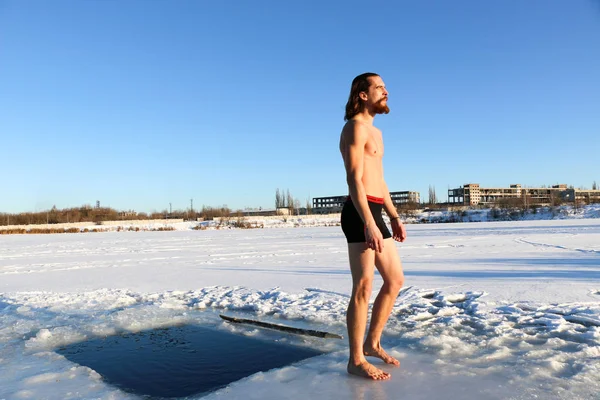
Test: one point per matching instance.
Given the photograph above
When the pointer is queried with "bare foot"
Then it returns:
(378, 352)
(367, 370)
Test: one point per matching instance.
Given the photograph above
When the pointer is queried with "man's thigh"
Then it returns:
(362, 261)
(388, 261)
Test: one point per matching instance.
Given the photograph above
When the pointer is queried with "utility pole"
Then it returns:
(191, 207)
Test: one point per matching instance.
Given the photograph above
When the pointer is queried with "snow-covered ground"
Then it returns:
(490, 310)
(490, 214)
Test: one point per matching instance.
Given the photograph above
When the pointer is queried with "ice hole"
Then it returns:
(181, 361)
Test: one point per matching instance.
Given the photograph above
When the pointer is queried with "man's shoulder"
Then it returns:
(355, 128)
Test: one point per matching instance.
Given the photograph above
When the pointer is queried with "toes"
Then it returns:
(384, 375)
(369, 371)
(392, 360)
(376, 373)
(381, 375)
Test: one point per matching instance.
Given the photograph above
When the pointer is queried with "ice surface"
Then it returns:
(489, 311)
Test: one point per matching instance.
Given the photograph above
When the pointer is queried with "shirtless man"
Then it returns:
(370, 243)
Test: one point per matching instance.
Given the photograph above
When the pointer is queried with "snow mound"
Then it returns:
(547, 346)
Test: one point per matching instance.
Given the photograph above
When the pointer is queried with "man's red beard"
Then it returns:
(381, 107)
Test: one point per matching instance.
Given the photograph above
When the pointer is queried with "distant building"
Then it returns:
(260, 212)
(334, 204)
(269, 212)
(328, 205)
(400, 198)
(584, 195)
(472, 194)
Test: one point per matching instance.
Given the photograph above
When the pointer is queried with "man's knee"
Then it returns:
(394, 283)
(362, 290)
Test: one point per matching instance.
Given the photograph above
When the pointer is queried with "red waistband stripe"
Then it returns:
(372, 199)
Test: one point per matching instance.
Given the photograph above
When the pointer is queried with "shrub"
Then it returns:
(163, 229)
(14, 231)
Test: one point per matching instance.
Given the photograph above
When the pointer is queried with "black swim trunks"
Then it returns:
(354, 227)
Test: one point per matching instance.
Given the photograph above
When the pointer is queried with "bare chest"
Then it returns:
(374, 145)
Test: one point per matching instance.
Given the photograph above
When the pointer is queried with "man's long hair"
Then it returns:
(355, 104)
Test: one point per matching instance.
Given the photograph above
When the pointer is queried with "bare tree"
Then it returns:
(555, 199)
(289, 201)
(279, 200)
(594, 186)
(296, 208)
(432, 195)
(308, 207)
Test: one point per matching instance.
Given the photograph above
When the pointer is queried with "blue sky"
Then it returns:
(140, 104)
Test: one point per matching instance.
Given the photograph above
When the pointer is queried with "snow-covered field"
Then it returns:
(490, 310)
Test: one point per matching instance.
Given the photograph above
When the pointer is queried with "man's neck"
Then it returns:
(365, 117)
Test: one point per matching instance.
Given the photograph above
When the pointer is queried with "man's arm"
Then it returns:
(355, 138)
(398, 230)
(388, 204)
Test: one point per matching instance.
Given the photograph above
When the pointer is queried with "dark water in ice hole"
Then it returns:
(180, 361)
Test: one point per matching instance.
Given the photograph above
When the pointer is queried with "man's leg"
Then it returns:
(389, 266)
(362, 266)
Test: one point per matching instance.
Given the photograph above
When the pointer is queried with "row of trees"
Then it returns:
(284, 199)
(432, 196)
(67, 215)
(100, 214)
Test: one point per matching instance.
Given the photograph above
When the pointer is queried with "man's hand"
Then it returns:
(398, 230)
(374, 238)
